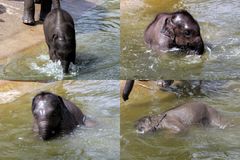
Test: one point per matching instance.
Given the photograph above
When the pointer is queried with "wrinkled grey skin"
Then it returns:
(54, 115)
(178, 119)
(60, 37)
(130, 83)
(29, 10)
(175, 30)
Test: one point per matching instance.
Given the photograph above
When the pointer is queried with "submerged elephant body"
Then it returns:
(54, 115)
(60, 37)
(180, 118)
(175, 30)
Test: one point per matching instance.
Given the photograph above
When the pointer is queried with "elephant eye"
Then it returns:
(35, 114)
(172, 19)
(54, 114)
(187, 33)
(141, 128)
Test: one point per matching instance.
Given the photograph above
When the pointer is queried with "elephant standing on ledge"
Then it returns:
(29, 10)
(175, 30)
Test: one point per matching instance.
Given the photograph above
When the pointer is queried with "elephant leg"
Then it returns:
(37, 1)
(52, 54)
(175, 126)
(215, 119)
(45, 9)
(65, 65)
(29, 11)
(127, 89)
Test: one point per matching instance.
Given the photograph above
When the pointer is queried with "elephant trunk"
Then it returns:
(44, 130)
(127, 89)
(197, 47)
(56, 4)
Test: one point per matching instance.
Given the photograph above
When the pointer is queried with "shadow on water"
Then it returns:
(97, 50)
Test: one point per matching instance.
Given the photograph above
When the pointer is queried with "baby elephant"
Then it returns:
(180, 118)
(54, 115)
(60, 36)
(175, 30)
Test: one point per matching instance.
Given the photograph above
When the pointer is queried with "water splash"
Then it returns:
(48, 67)
(53, 69)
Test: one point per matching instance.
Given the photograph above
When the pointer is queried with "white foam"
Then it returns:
(52, 69)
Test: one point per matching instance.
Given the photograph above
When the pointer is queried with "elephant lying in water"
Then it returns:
(60, 37)
(54, 115)
(175, 30)
(178, 119)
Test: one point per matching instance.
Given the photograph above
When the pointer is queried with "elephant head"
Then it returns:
(149, 123)
(178, 29)
(48, 112)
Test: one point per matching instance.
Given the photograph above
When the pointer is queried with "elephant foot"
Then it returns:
(42, 18)
(29, 20)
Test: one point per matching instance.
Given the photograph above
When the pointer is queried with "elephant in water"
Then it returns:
(180, 118)
(175, 30)
(54, 115)
(60, 36)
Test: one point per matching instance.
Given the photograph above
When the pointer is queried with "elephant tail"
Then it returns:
(56, 4)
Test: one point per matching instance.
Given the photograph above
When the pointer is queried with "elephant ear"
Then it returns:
(56, 37)
(168, 29)
(162, 117)
(63, 107)
(33, 104)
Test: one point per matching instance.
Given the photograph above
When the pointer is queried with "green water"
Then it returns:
(219, 23)
(199, 142)
(98, 100)
(97, 37)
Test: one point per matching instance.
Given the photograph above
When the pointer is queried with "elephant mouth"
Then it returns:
(140, 131)
(46, 132)
(142, 128)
